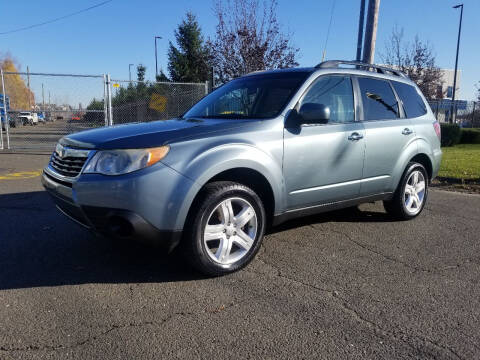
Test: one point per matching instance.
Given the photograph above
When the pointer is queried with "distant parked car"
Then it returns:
(28, 118)
(3, 122)
(41, 118)
(15, 121)
(75, 118)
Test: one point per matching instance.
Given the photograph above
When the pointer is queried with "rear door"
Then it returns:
(387, 133)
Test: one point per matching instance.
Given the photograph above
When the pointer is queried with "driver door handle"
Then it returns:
(355, 136)
(407, 131)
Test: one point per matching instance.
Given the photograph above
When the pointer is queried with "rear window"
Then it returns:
(413, 104)
(379, 101)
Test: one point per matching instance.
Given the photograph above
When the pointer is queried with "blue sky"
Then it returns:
(108, 38)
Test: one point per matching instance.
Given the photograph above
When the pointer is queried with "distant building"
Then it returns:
(446, 90)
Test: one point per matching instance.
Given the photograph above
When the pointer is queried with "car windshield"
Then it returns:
(259, 96)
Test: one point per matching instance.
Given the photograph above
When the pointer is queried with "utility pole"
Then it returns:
(156, 60)
(371, 31)
(360, 30)
(453, 116)
(43, 99)
(29, 92)
(130, 73)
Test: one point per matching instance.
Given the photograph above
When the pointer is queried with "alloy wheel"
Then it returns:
(230, 230)
(414, 192)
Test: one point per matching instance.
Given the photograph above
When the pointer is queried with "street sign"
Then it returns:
(158, 102)
(116, 85)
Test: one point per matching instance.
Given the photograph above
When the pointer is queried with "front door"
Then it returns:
(323, 162)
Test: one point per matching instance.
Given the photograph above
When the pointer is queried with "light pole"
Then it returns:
(156, 61)
(130, 72)
(456, 63)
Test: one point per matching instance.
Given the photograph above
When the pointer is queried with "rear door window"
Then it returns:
(413, 104)
(379, 101)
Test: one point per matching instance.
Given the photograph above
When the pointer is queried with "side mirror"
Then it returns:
(313, 113)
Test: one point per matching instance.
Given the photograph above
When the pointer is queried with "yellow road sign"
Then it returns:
(116, 85)
(158, 102)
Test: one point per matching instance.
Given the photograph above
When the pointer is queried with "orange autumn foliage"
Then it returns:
(16, 88)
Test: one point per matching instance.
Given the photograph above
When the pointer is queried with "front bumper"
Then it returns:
(144, 205)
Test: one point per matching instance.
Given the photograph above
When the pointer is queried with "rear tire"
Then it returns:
(225, 228)
(411, 195)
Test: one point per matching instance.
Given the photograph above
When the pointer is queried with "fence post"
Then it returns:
(206, 87)
(105, 96)
(473, 114)
(1, 125)
(5, 111)
(109, 95)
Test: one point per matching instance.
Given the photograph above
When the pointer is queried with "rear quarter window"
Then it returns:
(413, 104)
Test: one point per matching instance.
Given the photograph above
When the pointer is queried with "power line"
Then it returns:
(56, 19)
(328, 30)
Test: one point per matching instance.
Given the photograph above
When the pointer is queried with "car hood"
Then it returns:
(149, 134)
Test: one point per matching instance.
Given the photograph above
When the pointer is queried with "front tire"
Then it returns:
(411, 195)
(225, 228)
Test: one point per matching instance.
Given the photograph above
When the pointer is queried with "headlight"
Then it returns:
(117, 162)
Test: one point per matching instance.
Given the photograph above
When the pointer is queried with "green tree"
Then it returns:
(188, 62)
(95, 105)
(141, 72)
(162, 77)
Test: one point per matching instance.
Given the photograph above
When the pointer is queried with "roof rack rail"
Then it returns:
(330, 64)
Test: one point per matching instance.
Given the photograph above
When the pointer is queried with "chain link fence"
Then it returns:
(37, 109)
(466, 113)
(138, 101)
(41, 107)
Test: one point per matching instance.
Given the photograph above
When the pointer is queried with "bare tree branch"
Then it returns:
(248, 38)
(417, 60)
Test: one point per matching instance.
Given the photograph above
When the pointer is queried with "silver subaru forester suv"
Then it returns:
(257, 151)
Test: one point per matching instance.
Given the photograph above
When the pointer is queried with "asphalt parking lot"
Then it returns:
(345, 285)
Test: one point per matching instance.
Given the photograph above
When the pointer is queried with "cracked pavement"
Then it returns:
(350, 284)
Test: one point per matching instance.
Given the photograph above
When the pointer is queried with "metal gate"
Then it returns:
(37, 109)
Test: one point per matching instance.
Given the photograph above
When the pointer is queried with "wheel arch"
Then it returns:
(424, 160)
(243, 164)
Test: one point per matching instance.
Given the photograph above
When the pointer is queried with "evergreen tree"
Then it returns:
(141, 72)
(162, 77)
(188, 62)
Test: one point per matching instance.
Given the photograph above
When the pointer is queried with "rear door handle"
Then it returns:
(355, 136)
(407, 131)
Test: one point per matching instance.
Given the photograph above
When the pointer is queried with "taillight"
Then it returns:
(438, 130)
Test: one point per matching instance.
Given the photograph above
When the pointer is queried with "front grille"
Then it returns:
(67, 166)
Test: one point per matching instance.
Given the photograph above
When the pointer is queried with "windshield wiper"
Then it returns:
(224, 116)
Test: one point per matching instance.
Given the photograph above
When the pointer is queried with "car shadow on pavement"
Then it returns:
(40, 247)
(351, 214)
